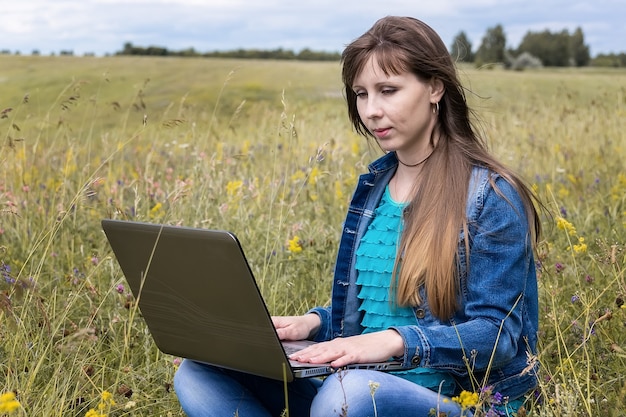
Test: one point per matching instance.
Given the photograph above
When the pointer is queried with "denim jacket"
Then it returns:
(498, 294)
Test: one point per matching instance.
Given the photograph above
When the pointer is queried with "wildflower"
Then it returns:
(589, 279)
(5, 270)
(559, 267)
(315, 173)
(119, 288)
(575, 298)
(581, 247)
(233, 186)
(8, 403)
(154, 211)
(294, 245)
(373, 387)
(106, 401)
(563, 224)
(466, 399)
(338, 190)
(535, 188)
(563, 193)
(298, 175)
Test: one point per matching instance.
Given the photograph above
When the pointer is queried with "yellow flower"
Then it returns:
(298, 175)
(563, 224)
(355, 148)
(233, 186)
(106, 401)
(8, 403)
(107, 397)
(294, 245)
(466, 399)
(338, 190)
(155, 209)
(313, 176)
(581, 247)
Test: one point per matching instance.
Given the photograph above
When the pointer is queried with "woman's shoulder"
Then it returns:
(486, 184)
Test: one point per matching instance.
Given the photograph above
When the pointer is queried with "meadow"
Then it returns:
(264, 148)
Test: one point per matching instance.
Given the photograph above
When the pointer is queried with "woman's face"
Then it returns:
(397, 109)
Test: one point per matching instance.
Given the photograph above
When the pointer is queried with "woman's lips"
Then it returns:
(381, 133)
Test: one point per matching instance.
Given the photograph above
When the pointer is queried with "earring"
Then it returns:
(436, 108)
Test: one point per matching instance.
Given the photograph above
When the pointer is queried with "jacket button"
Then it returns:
(420, 313)
(416, 360)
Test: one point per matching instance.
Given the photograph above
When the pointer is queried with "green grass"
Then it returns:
(265, 149)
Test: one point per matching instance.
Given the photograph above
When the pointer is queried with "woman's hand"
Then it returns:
(296, 327)
(364, 348)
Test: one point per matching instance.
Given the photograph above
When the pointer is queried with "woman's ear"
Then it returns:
(436, 90)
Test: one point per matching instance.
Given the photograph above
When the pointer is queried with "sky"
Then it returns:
(103, 26)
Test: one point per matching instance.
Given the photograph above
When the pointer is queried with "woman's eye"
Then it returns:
(360, 94)
(388, 91)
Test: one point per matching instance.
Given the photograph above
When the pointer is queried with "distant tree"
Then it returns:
(556, 49)
(127, 50)
(609, 60)
(579, 51)
(461, 48)
(492, 47)
(35, 52)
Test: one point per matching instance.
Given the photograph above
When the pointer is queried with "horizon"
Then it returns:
(97, 26)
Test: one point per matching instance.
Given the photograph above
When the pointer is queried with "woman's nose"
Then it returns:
(372, 108)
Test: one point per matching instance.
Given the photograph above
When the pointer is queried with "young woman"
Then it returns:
(435, 264)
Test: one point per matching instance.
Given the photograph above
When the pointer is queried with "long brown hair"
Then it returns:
(436, 213)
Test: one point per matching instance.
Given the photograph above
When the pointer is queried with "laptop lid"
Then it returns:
(200, 301)
(198, 297)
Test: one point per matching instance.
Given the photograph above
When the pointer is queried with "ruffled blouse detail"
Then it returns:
(375, 260)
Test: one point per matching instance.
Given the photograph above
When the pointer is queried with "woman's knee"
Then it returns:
(344, 393)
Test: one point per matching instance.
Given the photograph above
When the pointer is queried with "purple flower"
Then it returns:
(575, 298)
(497, 398)
(559, 267)
(6, 273)
(119, 288)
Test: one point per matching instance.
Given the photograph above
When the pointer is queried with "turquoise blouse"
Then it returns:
(375, 258)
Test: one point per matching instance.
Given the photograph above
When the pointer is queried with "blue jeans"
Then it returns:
(205, 390)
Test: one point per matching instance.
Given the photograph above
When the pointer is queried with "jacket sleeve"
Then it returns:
(487, 330)
(324, 332)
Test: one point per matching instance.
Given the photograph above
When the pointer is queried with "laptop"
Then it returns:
(198, 297)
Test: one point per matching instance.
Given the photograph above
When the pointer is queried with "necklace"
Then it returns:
(416, 164)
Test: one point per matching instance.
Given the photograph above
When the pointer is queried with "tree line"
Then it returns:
(279, 53)
(536, 49)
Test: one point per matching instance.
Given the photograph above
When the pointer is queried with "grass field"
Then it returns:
(264, 148)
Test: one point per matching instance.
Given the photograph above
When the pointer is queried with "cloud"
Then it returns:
(103, 26)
